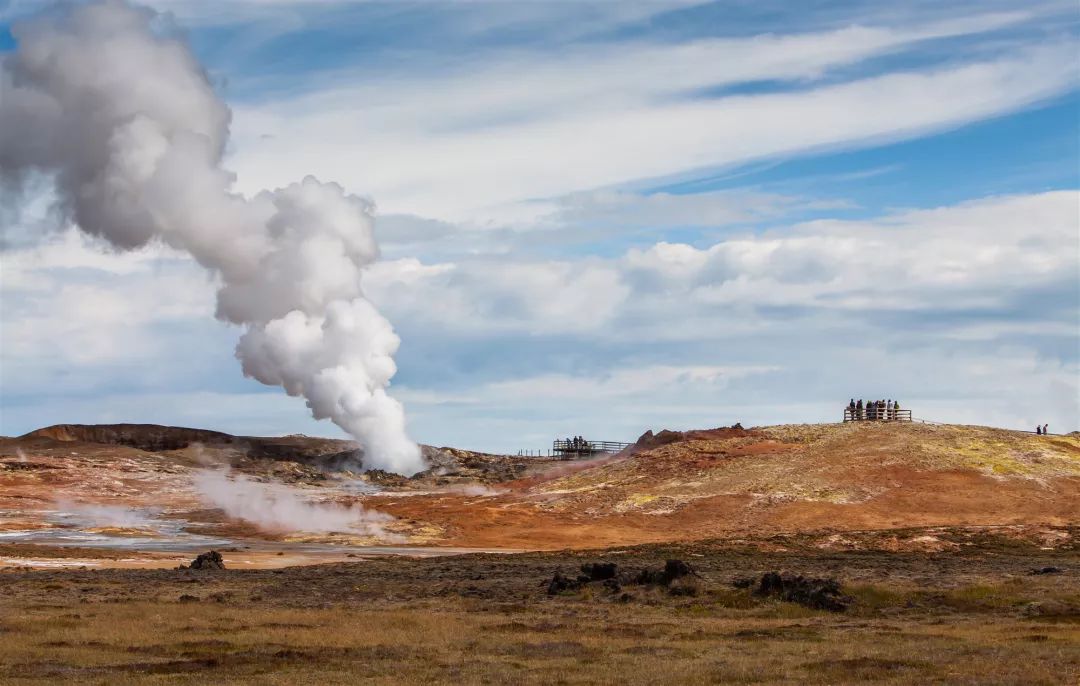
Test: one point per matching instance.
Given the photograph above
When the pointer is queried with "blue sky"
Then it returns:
(599, 218)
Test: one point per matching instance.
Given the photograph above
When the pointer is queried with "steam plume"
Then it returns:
(91, 515)
(277, 507)
(127, 123)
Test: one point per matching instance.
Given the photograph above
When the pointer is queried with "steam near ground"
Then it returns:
(277, 507)
(104, 101)
(90, 515)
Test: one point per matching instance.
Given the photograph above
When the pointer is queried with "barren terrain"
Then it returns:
(903, 553)
(135, 489)
(991, 608)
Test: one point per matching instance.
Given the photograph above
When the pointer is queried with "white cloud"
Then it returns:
(471, 146)
(68, 304)
(641, 381)
(973, 256)
(237, 412)
(499, 296)
(709, 209)
(692, 336)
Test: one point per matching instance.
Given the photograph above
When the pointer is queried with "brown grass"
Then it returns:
(546, 642)
(972, 614)
(951, 618)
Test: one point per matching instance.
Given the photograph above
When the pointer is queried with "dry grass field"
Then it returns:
(973, 615)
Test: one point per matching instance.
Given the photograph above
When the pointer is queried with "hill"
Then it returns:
(727, 482)
(738, 482)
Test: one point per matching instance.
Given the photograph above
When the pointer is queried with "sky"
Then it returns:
(598, 218)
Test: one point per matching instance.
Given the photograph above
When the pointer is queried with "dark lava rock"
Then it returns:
(189, 598)
(599, 571)
(381, 477)
(210, 560)
(673, 569)
(676, 569)
(817, 594)
(650, 440)
(560, 583)
(1047, 570)
(677, 576)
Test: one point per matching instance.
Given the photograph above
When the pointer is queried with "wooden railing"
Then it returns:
(571, 449)
(874, 414)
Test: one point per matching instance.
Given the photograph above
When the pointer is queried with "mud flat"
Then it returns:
(985, 606)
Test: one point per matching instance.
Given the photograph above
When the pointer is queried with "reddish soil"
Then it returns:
(726, 482)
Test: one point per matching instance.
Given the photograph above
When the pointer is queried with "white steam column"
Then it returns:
(126, 122)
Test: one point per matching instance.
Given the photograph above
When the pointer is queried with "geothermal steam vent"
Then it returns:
(125, 121)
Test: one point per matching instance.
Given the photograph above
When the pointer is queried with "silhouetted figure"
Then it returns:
(859, 409)
(1045, 427)
(1038, 429)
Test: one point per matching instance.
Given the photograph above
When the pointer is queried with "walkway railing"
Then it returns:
(875, 414)
(571, 449)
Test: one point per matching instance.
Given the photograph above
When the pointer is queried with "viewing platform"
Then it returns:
(571, 450)
(876, 415)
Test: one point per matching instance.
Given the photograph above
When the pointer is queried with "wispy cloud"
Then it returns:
(461, 148)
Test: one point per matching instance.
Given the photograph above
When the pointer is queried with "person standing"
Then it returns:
(1045, 427)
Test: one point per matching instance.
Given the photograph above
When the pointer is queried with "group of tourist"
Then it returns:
(577, 444)
(873, 409)
(1042, 430)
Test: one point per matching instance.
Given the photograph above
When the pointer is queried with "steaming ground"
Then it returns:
(275, 507)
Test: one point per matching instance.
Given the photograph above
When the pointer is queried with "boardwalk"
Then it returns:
(876, 415)
(569, 450)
